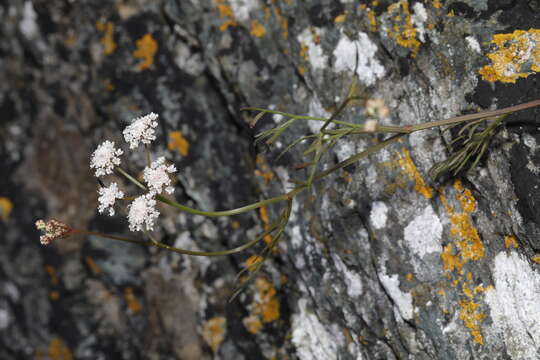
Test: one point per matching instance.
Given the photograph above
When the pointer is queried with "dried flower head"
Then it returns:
(141, 130)
(105, 158)
(371, 125)
(157, 176)
(377, 108)
(142, 213)
(52, 229)
(108, 196)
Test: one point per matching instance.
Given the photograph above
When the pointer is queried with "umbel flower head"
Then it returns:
(108, 196)
(142, 213)
(105, 158)
(157, 176)
(141, 130)
(52, 230)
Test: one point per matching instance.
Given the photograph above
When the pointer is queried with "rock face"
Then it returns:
(378, 262)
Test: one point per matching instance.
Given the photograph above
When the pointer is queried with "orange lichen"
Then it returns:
(252, 261)
(235, 225)
(437, 4)
(178, 142)
(451, 261)
(408, 167)
(225, 12)
(54, 295)
(107, 28)
(517, 55)
(133, 304)
(108, 85)
(257, 29)
(6, 206)
(472, 318)
(267, 304)
(147, 48)
(263, 213)
(510, 241)
(372, 20)
(465, 197)
(92, 265)
(267, 176)
(58, 350)
(403, 30)
(214, 332)
(265, 307)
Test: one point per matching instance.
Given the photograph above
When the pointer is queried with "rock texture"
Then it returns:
(379, 262)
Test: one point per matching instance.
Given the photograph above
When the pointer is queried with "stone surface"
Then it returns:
(378, 261)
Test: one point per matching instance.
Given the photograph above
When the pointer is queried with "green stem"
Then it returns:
(174, 249)
(302, 117)
(131, 178)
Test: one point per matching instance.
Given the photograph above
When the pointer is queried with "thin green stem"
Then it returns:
(301, 117)
(175, 249)
(131, 178)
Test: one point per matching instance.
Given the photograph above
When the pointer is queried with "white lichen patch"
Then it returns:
(514, 305)
(315, 54)
(353, 281)
(473, 44)
(312, 340)
(378, 214)
(28, 25)
(402, 300)
(316, 110)
(419, 19)
(242, 8)
(423, 234)
(347, 52)
(345, 149)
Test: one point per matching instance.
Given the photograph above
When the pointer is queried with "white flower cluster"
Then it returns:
(108, 196)
(156, 176)
(141, 130)
(142, 212)
(105, 158)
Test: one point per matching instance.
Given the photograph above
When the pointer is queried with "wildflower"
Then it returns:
(370, 125)
(156, 176)
(141, 130)
(108, 196)
(377, 108)
(52, 229)
(105, 158)
(141, 212)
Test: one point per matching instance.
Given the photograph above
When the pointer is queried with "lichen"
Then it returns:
(510, 241)
(146, 50)
(177, 142)
(6, 206)
(403, 30)
(107, 28)
(257, 29)
(409, 168)
(265, 307)
(214, 332)
(133, 304)
(58, 350)
(516, 55)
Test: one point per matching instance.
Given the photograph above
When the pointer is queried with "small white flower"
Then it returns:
(156, 176)
(108, 196)
(141, 130)
(105, 158)
(142, 212)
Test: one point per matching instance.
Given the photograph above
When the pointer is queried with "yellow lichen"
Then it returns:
(257, 29)
(472, 318)
(516, 55)
(266, 175)
(214, 332)
(225, 12)
(58, 350)
(107, 28)
(340, 18)
(409, 276)
(403, 30)
(408, 167)
(52, 274)
(253, 324)
(451, 261)
(536, 258)
(147, 48)
(6, 207)
(437, 4)
(178, 142)
(133, 304)
(510, 241)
